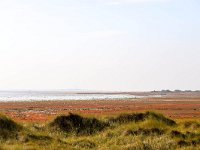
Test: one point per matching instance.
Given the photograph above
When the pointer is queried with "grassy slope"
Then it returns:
(129, 131)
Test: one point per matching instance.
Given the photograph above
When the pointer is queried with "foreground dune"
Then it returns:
(138, 131)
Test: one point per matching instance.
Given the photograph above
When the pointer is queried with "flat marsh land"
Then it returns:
(43, 111)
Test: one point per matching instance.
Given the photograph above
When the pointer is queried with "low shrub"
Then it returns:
(79, 125)
(8, 128)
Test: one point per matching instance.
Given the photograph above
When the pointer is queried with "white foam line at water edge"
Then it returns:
(77, 97)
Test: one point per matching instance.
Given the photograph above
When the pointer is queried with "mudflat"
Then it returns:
(44, 111)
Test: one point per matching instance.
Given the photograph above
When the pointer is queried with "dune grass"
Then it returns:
(78, 125)
(8, 128)
(136, 131)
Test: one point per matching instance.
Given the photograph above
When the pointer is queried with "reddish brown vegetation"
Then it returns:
(43, 111)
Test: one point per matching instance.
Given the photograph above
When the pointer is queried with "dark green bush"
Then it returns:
(8, 128)
(74, 123)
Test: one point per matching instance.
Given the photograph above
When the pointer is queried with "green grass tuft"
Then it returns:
(125, 118)
(160, 117)
(138, 117)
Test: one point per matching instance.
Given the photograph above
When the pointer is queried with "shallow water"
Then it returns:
(58, 95)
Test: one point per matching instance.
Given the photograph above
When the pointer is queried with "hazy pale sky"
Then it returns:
(100, 44)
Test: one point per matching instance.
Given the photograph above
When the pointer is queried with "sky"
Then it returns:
(115, 45)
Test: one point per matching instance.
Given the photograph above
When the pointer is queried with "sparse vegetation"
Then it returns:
(135, 131)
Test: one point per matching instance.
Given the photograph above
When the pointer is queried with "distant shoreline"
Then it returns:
(74, 95)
